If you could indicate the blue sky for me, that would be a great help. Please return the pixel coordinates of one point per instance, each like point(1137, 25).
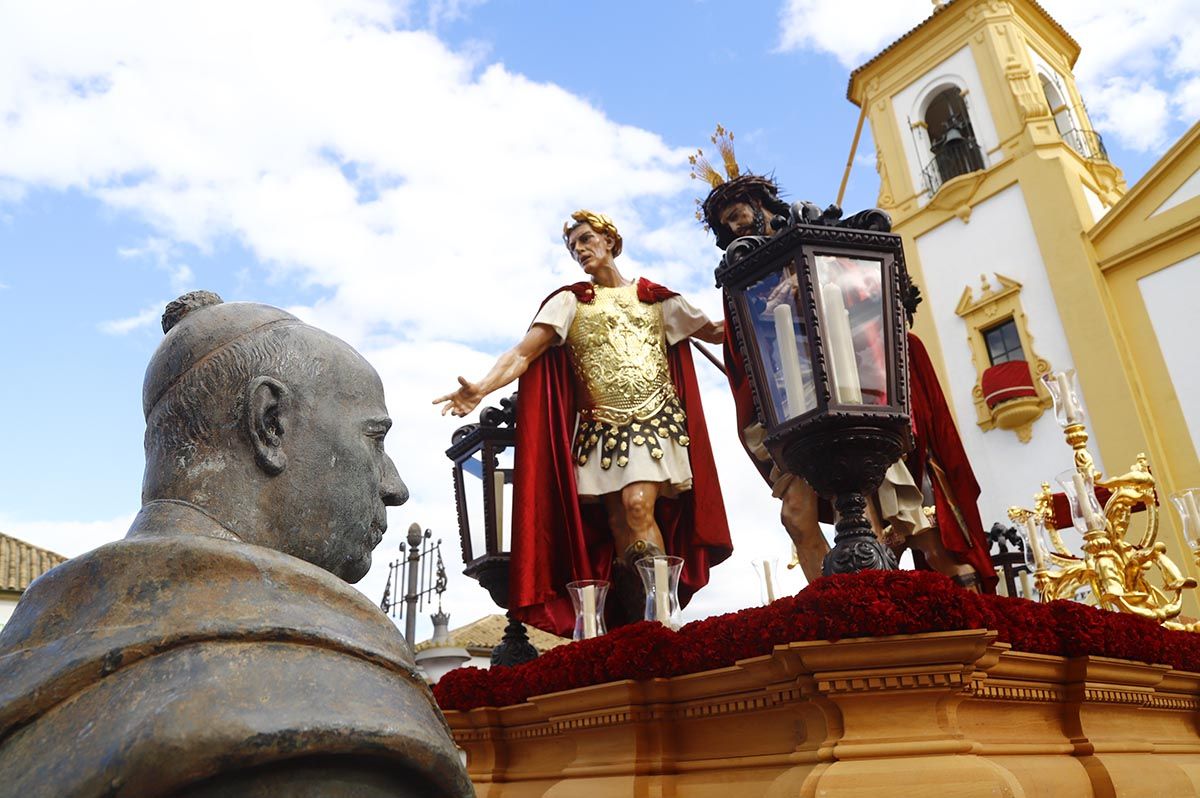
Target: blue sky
point(397, 173)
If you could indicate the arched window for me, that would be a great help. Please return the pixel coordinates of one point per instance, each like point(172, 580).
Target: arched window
point(951, 139)
point(1058, 107)
point(1085, 142)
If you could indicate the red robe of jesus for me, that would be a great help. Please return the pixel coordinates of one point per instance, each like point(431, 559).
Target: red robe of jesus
point(939, 450)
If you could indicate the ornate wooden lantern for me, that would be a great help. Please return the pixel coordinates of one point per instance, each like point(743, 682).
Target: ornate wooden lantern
point(818, 317)
point(485, 452)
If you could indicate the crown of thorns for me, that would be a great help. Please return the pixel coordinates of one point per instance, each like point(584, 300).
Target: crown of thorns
point(730, 187)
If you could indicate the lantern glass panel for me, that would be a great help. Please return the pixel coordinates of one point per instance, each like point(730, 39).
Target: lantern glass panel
point(502, 493)
point(850, 292)
point(781, 343)
point(473, 475)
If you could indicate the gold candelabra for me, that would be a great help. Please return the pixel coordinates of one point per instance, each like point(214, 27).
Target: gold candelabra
point(1116, 570)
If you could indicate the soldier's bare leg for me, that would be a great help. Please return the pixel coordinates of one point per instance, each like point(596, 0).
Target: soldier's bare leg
point(616, 521)
point(631, 515)
point(799, 516)
point(635, 535)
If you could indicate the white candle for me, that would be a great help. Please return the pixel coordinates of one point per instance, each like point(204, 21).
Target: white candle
point(770, 583)
point(1002, 585)
point(841, 345)
point(498, 503)
point(589, 611)
point(1189, 499)
point(1070, 409)
point(662, 591)
point(1026, 585)
point(1035, 544)
point(789, 360)
point(1193, 515)
point(1085, 506)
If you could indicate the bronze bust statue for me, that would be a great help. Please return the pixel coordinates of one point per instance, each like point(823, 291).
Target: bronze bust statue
point(218, 649)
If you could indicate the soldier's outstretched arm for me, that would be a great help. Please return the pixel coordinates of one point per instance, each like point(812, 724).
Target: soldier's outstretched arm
point(713, 332)
point(509, 366)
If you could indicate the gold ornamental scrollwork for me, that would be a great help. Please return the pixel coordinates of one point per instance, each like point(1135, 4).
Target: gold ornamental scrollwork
point(1117, 570)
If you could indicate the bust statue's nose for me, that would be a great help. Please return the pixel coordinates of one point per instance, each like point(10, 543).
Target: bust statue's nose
point(392, 489)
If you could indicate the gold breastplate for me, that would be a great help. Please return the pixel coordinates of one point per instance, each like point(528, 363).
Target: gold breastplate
point(618, 350)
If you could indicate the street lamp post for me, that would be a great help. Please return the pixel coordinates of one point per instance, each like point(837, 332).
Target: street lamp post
point(484, 451)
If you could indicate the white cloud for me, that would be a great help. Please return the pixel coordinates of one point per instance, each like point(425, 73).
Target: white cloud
point(443, 11)
point(349, 155)
point(144, 318)
point(164, 255)
point(419, 189)
point(68, 538)
point(1138, 113)
point(11, 191)
point(1133, 53)
point(1187, 98)
point(851, 32)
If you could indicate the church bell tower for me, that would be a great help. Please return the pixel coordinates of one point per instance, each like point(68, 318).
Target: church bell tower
point(993, 175)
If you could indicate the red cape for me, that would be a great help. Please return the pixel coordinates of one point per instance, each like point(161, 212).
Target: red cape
point(556, 539)
point(955, 490)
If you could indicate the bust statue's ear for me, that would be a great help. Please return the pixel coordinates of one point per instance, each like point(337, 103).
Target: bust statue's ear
point(266, 400)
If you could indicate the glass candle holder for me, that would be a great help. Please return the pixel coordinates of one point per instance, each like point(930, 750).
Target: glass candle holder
point(660, 575)
point(1086, 513)
point(1026, 587)
point(1035, 539)
point(1064, 390)
point(1187, 503)
point(768, 582)
point(587, 597)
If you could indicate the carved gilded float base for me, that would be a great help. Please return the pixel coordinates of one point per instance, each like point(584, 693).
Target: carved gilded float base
point(948, 713)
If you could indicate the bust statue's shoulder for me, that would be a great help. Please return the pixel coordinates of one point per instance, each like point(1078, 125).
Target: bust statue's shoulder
point(112, 633)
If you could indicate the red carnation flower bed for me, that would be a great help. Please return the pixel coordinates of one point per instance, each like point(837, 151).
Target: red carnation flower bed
point(868, 604)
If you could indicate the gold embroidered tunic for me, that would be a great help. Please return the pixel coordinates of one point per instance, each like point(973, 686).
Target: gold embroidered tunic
point(631, 427)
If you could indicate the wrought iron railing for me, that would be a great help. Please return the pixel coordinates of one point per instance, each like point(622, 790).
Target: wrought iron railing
point(966, 157)
point(950, 162)
point(413, 579)
point(1087, 143)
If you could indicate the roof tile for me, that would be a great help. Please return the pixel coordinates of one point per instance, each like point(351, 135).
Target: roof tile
point(487, 632)
point(21, 563)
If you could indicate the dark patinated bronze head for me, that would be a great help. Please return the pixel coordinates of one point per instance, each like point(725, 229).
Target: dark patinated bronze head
point(218, 644)
point(271, 427)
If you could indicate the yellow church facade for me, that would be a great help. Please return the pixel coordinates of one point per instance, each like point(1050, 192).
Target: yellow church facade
point(1029, 247)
